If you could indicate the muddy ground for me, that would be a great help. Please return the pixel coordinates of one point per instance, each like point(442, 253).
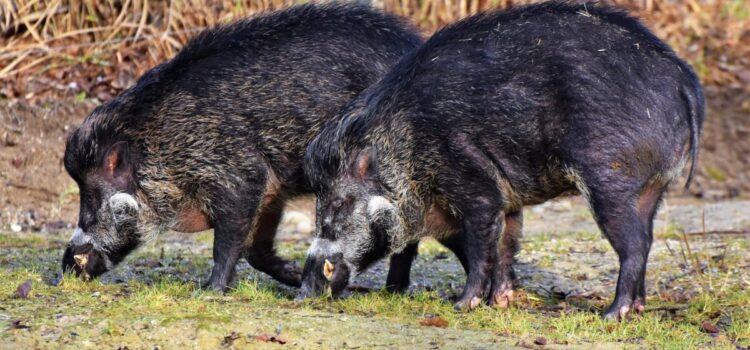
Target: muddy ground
point(699, 271)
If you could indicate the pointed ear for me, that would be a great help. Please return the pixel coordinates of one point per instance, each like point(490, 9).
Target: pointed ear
point(366, 164)
point(117, 160)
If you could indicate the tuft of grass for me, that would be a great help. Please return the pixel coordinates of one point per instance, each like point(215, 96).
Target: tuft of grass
point(715, 173)
point(670, 231)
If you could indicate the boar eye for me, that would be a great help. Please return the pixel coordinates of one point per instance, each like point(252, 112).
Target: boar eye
point(337, 203)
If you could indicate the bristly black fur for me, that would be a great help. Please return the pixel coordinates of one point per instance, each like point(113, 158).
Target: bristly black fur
point(502, 110)
point(324, 156)
point(215, 137)
point(239, 44)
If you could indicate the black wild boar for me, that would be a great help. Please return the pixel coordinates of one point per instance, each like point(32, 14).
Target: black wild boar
point(495, 112)
point(215, 137)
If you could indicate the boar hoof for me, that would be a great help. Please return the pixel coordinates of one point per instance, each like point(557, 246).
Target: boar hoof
point(616, 314)
point(502, 300)
point(468, 306)
point(216, 287)
point(639, 305)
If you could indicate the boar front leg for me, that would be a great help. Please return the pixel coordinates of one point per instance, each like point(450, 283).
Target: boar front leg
point(398, 280)
point(501, 294)
point(262, 255)
point(234, 212)
point(400, 268)
point(482, 223)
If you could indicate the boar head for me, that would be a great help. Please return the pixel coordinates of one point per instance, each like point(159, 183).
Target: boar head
point(108, 222)
point(355, 223)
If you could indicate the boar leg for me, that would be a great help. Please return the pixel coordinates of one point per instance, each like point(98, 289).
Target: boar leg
point(262, 255)
point(501, 294)
point(400, 267)
point(398, 280)
point(630, 237)
point(648, 203)
point(483, 220)
point(455, 243)
point(234, 216)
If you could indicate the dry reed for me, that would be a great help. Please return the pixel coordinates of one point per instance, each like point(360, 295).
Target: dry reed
point(99, 46)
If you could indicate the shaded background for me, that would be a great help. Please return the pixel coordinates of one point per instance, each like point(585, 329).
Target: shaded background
point(59, 59)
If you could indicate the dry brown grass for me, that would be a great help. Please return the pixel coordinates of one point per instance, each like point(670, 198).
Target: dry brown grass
point(99, 46)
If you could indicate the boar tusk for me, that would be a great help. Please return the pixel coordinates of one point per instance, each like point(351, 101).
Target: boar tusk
point(328, 270)
point(81, 260)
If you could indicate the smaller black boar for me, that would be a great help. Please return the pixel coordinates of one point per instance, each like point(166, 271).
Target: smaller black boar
point(495, 112)
point(215, 137)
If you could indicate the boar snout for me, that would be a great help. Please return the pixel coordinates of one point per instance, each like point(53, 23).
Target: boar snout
point(324, 273)
point(83, 260)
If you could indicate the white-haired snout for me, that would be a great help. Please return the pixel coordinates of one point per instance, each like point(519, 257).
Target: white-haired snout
point(79, 237)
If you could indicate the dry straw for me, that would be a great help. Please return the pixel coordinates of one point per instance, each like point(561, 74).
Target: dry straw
point(67, 40)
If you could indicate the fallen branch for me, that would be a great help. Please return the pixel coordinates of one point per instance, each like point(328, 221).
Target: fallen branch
point(720, 232)
point(666, 308)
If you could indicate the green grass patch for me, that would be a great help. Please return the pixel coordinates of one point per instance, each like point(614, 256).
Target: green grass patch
point(161, 303)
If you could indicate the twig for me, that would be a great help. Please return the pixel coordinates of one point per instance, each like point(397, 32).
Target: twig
point(720, 232)
point(684, 258)
point(666, 308)
point(690, 253)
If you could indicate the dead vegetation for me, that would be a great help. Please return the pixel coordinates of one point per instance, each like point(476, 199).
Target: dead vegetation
point(96, 48)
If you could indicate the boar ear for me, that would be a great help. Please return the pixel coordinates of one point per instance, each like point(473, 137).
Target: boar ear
point(117, 160)
point(366, 164)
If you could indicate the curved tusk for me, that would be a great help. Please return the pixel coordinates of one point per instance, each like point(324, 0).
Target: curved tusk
point(81, 260)
point(328, 270)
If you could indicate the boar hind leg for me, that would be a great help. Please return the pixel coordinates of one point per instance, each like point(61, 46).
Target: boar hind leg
point(501, 294)
point(262, 255)
point(400, 267)
point(648, 203)
point(619, 220)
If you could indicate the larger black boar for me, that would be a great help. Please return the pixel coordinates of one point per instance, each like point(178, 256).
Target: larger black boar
point(499, 111)
point(215, 137)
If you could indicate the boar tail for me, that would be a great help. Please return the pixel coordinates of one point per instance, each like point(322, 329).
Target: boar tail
point(696, 112)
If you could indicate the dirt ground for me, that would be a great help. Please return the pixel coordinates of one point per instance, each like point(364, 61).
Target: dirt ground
point(37, 194)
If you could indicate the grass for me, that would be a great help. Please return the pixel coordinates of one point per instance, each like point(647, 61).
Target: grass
point(163, 305)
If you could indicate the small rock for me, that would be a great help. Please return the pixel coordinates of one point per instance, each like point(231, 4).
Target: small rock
point(15, 227)
point(709, 327)
point(540, 341)
point(23, 290)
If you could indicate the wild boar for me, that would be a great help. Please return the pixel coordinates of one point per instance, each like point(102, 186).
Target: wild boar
point(495, 112)
point(215, 137)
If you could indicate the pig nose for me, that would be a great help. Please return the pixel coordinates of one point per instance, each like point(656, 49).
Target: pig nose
point(76, 257)
point(69, 263)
